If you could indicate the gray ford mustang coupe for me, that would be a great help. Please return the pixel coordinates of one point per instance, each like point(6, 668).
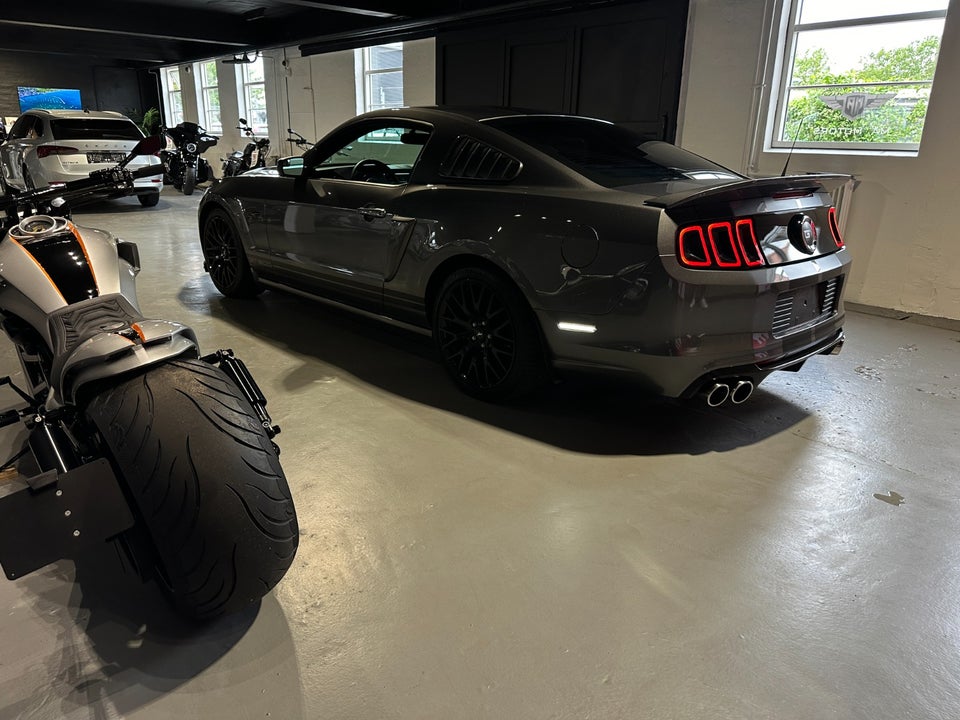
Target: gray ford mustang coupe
point(530, 244)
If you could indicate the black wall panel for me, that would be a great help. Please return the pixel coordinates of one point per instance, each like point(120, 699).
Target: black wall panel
point(102, 87)
point(479, 72)
point(621, 62)
point(539, 72)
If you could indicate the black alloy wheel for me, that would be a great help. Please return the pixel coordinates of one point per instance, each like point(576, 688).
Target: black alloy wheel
point(224, 258)
point(487, 336)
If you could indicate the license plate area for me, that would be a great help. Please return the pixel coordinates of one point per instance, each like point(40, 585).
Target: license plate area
point(805, 306)
point(105, 157)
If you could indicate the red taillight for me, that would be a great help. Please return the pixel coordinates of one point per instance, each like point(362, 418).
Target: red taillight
point(45, 150)
point(748, 243)
point(790, 194)
point(732, 245)
point(834, 228)
point(723, 245)
point(693, 247)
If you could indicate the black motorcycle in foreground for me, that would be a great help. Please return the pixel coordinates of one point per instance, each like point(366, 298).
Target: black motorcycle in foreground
point(132, 435)
point(254, 154)
point(185, 166)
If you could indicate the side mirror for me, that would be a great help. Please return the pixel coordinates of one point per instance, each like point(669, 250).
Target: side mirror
point(290, 166)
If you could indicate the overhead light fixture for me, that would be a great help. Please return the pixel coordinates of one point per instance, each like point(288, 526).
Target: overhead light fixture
point(242, 58)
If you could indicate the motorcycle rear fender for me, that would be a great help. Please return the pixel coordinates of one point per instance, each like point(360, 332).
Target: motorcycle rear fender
point(114, 353)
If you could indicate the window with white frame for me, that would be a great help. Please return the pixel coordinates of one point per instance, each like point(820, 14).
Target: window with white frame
point(254, 95)
point(209, 92)
point(172, 96)
point(857, 74)
point(382, 76)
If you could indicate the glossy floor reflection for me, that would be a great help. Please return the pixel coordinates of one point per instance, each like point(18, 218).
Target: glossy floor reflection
point(588, 553)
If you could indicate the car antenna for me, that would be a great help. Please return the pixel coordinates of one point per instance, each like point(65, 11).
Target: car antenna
point(795, 137)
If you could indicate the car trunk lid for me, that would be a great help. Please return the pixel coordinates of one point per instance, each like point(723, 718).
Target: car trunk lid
point(781, 220)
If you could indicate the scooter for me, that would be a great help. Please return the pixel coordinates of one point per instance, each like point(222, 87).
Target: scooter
point(132, 435)
point(254, 154)
point(185, 166)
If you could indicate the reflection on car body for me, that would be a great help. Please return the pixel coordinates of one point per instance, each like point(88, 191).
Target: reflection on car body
point(530, 243)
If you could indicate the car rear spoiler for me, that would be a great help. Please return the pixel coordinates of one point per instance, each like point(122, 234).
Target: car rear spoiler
point(750, 189)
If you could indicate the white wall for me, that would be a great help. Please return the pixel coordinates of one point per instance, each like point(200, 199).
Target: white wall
point(320, 92)
point(312, 95)
point(420, 72)
point(901, 230)
point(317, 93)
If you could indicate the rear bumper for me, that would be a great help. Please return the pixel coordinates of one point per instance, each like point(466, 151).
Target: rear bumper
point(675, 337)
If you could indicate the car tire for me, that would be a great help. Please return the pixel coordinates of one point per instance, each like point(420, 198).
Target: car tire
point(487, 336)
point(149, 199)
point(224, 257)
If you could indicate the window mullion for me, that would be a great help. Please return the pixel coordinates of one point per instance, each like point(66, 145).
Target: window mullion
point(876, 20)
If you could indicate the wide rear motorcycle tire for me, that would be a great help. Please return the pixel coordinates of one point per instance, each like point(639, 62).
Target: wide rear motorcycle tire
point(204, 482)
point(189, 180)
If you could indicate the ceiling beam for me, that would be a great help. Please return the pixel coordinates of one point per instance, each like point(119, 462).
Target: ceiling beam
point(201, 26)
point(485, 11)
point(123, 50)
point(353, 9)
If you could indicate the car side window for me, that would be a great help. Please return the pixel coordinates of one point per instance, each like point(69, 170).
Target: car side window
point(383, 155)
point(21, 127)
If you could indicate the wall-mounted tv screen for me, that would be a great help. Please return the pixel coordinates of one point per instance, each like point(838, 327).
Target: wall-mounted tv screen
point(46, 98)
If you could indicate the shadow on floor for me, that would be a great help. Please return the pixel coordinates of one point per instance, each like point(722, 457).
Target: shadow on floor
point(97, 214)
point(585, 415)
point(120, 646)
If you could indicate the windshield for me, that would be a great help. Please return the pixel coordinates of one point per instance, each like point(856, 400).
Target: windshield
point(94, 129)
point(612, 156)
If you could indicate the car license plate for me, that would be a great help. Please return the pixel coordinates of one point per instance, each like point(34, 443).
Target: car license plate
point(105, 157)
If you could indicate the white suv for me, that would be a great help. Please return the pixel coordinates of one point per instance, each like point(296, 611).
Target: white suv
point(46, 147)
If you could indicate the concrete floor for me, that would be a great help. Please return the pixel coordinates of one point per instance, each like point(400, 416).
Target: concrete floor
point(588, 554)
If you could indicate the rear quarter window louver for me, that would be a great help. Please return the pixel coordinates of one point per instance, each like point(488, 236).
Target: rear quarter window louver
point(471, 159)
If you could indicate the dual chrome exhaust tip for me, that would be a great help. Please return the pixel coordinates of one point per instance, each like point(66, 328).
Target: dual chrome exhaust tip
point(737, 391)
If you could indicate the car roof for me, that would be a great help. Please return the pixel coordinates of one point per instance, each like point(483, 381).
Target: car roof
point(477, 113)
point(78, 114)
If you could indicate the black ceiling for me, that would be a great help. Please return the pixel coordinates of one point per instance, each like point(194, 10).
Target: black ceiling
point(144, 33)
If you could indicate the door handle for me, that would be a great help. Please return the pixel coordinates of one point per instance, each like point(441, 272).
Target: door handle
point(369, 213)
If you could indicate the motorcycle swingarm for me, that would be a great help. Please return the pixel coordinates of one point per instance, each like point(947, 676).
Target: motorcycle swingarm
point(57, 515)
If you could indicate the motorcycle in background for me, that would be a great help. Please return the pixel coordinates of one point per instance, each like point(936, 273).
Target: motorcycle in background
point(253, 155)
point(297, 139)
point(132, 435)
point(185, 166)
